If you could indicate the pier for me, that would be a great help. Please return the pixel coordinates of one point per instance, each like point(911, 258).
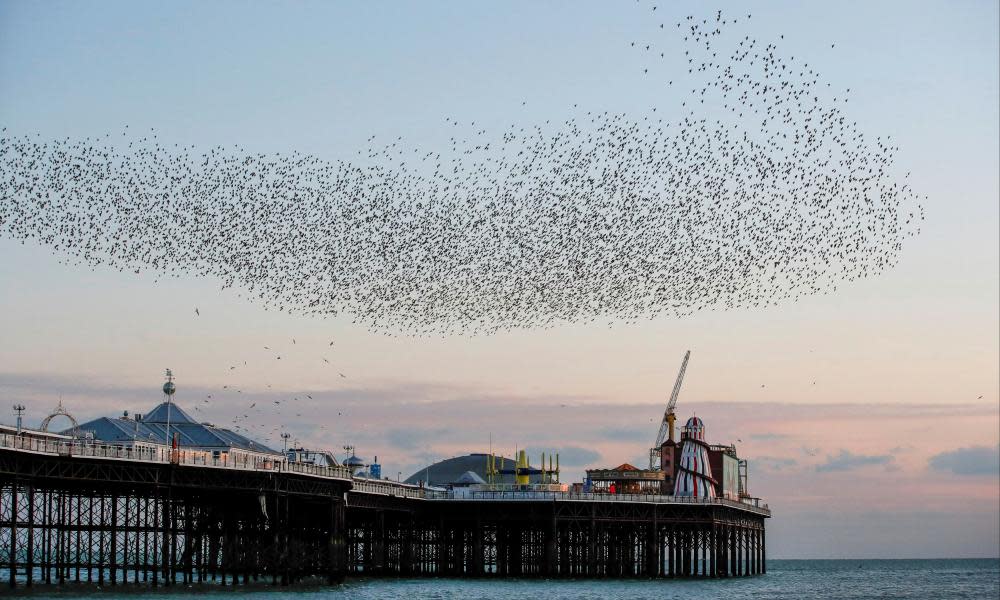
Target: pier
point(86, 512)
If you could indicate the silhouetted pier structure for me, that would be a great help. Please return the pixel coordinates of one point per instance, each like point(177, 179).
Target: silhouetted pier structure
point(86, 512)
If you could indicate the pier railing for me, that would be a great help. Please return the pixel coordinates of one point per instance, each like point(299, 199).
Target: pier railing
point(164, 455)
point(392, 488)
point(752, 504)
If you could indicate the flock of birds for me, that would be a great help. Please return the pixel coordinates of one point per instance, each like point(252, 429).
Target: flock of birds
point(262, 417)
point(757, 190)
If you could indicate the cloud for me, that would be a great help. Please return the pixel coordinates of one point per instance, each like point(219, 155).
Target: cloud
point(766, 437)
point(624, 434)
point(847, 461)
point(975, 460)
point(773, 463)
point(411, 439)
point(569, 456)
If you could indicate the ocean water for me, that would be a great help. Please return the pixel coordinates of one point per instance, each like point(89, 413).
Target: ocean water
point(792, 579)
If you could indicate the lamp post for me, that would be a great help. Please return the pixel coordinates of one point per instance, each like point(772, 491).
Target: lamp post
point(168, 389)
point(284, 442)
point(19, 409)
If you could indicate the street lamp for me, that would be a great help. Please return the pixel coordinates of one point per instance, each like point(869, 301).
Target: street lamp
point(284, 442)
point(168, 389)
point(19, 409)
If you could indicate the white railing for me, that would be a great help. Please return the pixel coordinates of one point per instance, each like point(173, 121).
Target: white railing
point(519, 487)
point(392, 488)
point(337, 472)
point(752, 504)
point(161, 454)
point(83, 448)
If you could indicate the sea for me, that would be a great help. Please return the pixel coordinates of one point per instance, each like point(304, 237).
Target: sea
point(977, 579)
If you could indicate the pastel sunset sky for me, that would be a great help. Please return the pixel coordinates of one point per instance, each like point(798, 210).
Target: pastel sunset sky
point(870, 417)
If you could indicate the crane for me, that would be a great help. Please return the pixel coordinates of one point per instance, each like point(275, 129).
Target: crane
point(667, 426)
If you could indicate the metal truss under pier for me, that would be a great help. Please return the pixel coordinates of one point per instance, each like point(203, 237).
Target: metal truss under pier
point(554, 538)
point(107, 521)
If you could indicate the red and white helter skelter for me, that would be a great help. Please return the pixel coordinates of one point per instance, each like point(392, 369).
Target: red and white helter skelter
point(694, 473)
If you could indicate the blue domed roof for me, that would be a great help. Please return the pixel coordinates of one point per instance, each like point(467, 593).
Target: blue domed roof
point(164, 410)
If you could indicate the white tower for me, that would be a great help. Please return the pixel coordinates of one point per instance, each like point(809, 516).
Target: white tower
point(694, 473)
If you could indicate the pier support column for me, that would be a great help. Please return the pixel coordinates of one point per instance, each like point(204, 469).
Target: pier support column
point(747, 551)
point(740, 553)
point(690, 551)
point(711, 551)
point(186, 559)
point(378, 543)
point(687, 551)
point(699, 551)
point(683, 551)
point(459, 551)
point(760, 551)
point(722, 547)
point(154, 565)
point(13, 532)
point(46, 534)
point(567, 550)
point(551, 555)
point(763, 551)
point(444, 546)
point(126, 516)
point(652, 555)
point(704, 571)
point(406, 549)
point(113, 555)
point(476, 567)
point(30, 563)
point(733, 551)
point(515, 548)
point(592, 544)
point(165, 551)
point(671, 552)
point(91, 529)
point(61, 516)
point(757, 560)
point(336, 549)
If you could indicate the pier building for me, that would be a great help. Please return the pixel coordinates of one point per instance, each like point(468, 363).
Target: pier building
point(451, 470)
point(152, 429)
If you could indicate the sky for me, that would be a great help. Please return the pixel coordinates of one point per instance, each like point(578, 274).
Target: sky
point(870, 417)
